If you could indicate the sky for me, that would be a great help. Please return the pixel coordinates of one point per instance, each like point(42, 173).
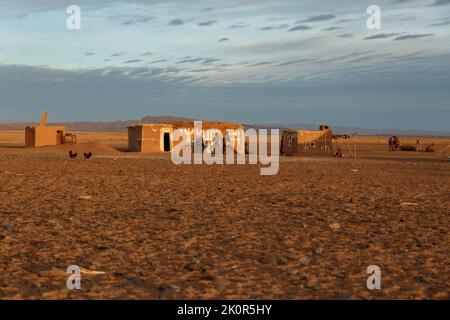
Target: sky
point(250, 61)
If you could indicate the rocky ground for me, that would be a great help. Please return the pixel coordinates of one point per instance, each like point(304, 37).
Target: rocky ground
point(153, 230)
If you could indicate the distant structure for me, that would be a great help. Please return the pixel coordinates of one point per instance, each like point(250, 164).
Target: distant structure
point(307, 142)
point(154, 138)
point(341, 141)
point(43, 135)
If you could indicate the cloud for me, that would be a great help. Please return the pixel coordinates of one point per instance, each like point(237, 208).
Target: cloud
point(279, 45)
point(342, 57)
point(239, 25)
point(440, 3)
point(159, 61)
point(322, 17)
point(443, 23)
point(197, 59)
point(133, 61)
point(279, 27)
point(398, 101)
point(210, 60)
point(331, 29)
point(381, 36)
point(263, 63)
point(322, 44)
point(366, 58)
point(345, 20)
point(413, 36)
point(345, 36)
point(137, 20)
point(176, 22)
point(300, 28)
point(202, 70)
point(291, 62)
point(104, 91)
point(207, 23)
point(190, 60)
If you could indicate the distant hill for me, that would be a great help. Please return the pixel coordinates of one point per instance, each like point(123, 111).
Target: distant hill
point(87, 126)
point(121, 126)
point(359, 130)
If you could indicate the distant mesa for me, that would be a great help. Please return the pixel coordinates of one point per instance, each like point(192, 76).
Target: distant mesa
point(121, 126)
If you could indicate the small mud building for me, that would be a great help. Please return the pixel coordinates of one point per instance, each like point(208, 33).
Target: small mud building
point(150, 138)
point(307, 142)
point(43, 135)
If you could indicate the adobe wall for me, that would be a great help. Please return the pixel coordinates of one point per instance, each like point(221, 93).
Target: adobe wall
point(153, 138)
point(30, 137)
point(315, 142)
point(44, 136)
point(134, 139)
point(149, 138)
point(209, 134)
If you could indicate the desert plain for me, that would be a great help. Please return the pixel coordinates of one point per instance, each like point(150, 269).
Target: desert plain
point(141, 227)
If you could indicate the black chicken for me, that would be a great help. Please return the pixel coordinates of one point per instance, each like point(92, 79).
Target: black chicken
point(88, 155)
point(72, 155)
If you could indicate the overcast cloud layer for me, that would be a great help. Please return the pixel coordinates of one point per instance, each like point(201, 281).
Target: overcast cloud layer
point(248, 61)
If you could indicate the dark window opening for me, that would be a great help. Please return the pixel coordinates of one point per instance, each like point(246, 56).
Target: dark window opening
point(166, 141)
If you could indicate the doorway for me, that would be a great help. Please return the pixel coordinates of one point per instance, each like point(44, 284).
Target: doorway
point(166, 141)
point(59, 137)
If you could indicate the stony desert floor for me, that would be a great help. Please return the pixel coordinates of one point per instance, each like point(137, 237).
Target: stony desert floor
point(154, 230)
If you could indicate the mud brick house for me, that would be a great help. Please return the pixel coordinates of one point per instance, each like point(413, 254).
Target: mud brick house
point(43, 135)
point(307, 142)
point(316, 142)
point(150, 138)
point(154, 138)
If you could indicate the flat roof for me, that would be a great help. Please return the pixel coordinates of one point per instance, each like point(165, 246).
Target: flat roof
point(190, 124)
point(151, 125)
point(53, 127)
